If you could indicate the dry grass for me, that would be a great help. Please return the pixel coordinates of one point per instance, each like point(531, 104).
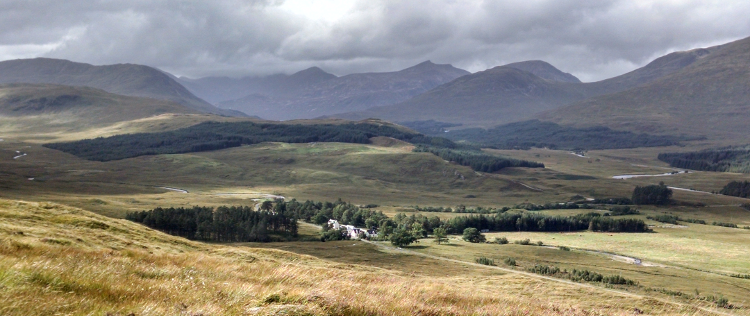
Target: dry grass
point(57, 260)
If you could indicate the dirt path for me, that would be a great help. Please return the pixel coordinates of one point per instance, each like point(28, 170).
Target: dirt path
point(543, 277)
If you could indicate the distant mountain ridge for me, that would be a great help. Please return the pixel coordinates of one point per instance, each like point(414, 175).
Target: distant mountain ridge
point(518, 92)
point(123, 79)
point(313, 93)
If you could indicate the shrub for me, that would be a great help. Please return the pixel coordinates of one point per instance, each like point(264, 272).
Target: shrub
point(485, 261)
point(501, 240)
point(544, 270)
point(524, 242)
point(622, 210)
point(539, 243)
point(563, 248)
point(510, 262)
point(730, 225)
point(670, 219)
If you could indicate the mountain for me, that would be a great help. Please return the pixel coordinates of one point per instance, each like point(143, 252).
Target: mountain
point(519, 91)
point(24, 99)
point(220, 89)
point(75, 107)
point(544, 70)
point(313, 93)
point(710, 96)
point(123, 79)
point(500, 94)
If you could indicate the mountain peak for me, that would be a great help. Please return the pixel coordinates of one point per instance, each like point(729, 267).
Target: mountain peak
point(544, 70)
point(429, 66)
point(313, 73)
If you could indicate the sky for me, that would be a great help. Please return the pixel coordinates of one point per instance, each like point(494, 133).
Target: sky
point(593, 40)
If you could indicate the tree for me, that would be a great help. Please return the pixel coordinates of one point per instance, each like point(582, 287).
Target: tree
point(402, 238)
point(471, 234)
point(266, 205)
point(652, 194)
point(441, 235)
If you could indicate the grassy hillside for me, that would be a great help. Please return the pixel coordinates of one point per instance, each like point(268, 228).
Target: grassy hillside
point(709, 97)
point(124, 79)
point(58, 259)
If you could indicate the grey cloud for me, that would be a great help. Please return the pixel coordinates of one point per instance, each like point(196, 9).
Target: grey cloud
point(591, 39)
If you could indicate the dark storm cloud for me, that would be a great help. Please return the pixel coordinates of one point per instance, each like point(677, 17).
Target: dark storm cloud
point(591, 39)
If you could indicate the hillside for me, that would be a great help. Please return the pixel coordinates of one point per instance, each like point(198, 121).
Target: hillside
point(124, 79)
point(34, 108)
point(498, 95)
point(314, 93)
point(62, 260)
point(518, 91)
point(709, 97)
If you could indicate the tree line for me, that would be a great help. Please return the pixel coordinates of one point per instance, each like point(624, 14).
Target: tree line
point(737, 188)
point(476, 159)
point(221, 224)
point(535, 133)
point(220, 135)
point(727, 159)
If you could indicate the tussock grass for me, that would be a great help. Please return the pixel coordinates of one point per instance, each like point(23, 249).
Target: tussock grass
point(126, 268)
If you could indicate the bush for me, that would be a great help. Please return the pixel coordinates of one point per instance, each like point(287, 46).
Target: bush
point(539, 243)
point(485, 261)
point(563, 248)
point(622, 210)
point(544, 270)
point(524, 242)
point(730, 225)
point(669, 219)
point(510, 262)
point(501, 240)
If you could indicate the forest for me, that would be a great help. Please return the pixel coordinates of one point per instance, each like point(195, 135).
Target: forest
point(535, 133)
point(219, 135)
point(279, 217)
point(477, 160)
point(737, 188)
point(544, 223)
point(221, 224)
point(727, 159)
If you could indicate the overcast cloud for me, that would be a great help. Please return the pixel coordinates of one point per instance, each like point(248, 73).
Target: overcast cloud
point(593, 39)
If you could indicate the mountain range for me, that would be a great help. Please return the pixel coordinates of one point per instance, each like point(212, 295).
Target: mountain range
point(519, 91)
point(702, 91)
point(312, 92)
